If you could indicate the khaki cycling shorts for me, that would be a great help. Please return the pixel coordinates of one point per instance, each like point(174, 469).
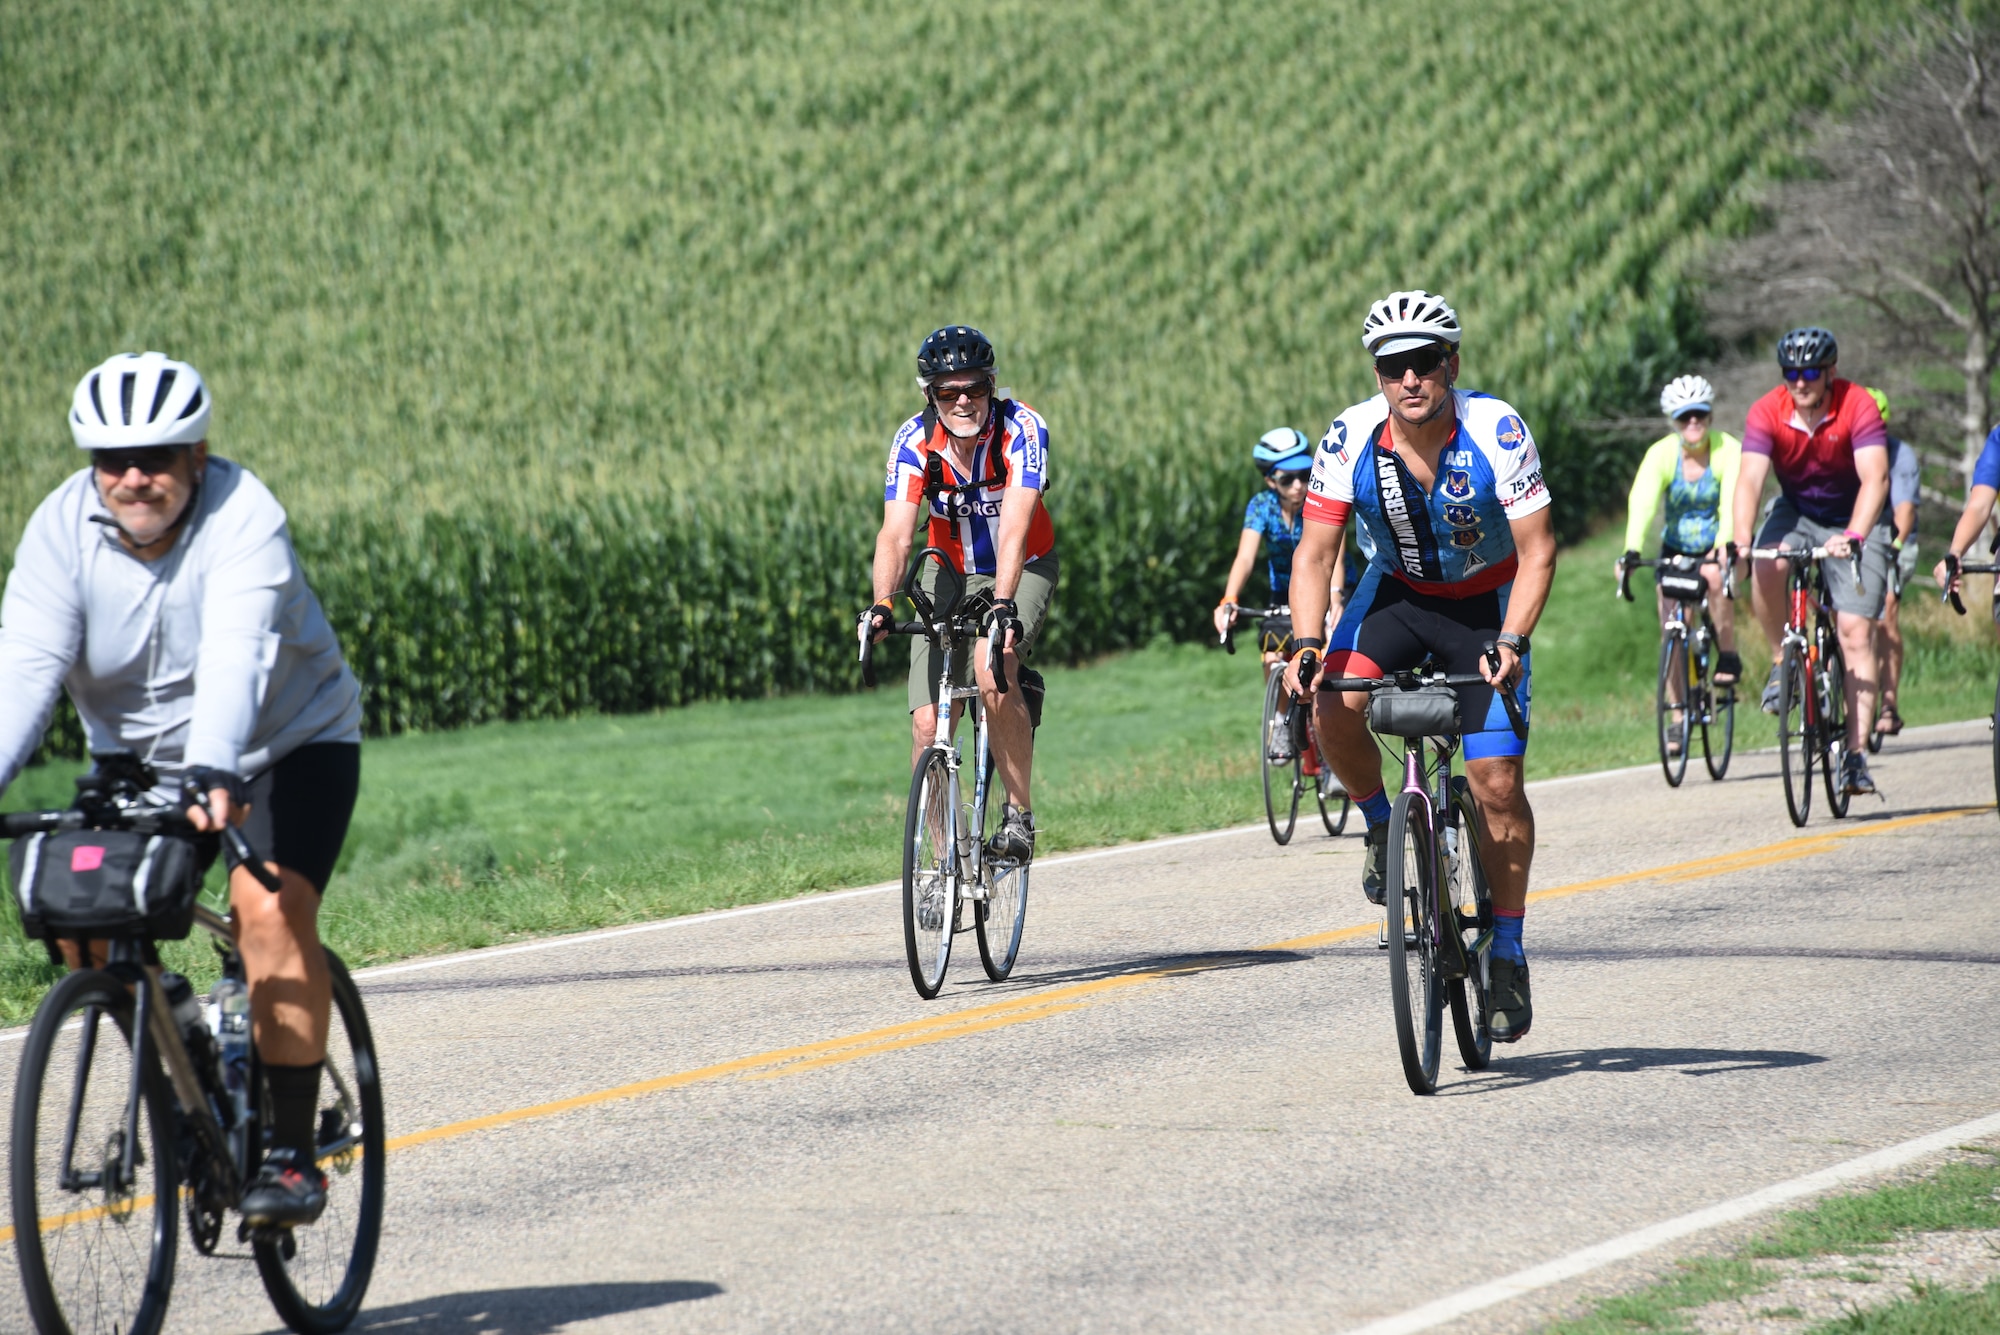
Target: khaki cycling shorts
point(1036, 592)
point(1788, 528)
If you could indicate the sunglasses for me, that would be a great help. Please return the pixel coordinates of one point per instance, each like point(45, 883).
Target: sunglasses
point(1685, 418)
point(1290, 479)
point(154, 461)
point(1805, 373)
point(950, 394)
point(1421, 360)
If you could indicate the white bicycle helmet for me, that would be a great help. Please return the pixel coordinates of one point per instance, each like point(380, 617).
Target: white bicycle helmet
point(1402, 321)
point(1687, 394)
point(139, 399)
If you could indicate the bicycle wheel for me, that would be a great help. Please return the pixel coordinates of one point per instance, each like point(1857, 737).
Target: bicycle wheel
point(1718, 714)
point(1996, 746)
point(96, 1246)
point(1001, 915)
point(1473, 898)
point(1416, 985)
point(1796, 742)
point(1282, 788)
point(316, 1277)
point(930, 872)
point(1674, 733)
point(1832, 701)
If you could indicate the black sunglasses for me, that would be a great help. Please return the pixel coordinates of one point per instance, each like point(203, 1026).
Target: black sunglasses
point(950, 394)
point(150, 461)
point(1421, 360)
point(1290, 479)
point(1805, 373)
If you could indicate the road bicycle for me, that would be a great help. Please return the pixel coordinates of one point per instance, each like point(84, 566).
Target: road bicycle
point(948, 871)
point(1685, 694)
point(135, 1102)
point(1954, 567)
point(1812, 683)
point(1439, 921)
point(1288, 751)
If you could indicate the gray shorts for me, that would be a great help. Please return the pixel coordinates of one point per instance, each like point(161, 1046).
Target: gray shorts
point(1788, 528)
point(1037, 591)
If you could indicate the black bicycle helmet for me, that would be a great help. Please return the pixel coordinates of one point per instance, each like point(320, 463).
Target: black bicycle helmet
point(1810, 346)
point(955, 347)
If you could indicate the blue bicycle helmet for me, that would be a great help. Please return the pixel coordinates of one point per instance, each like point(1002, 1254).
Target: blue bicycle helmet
point(1284, 447)
point(1810, 346)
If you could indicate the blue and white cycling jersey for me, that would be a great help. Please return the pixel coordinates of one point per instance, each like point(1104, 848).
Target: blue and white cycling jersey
point(1454, 540)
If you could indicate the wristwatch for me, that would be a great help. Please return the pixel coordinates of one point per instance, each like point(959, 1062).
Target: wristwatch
point(1518, 643)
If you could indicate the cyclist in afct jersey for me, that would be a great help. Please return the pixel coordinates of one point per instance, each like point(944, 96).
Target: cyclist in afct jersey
point(1447, 485)
point(159, 585)
point(999, 539)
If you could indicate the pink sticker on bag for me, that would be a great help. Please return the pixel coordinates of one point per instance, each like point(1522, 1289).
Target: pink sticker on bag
point(86, 857)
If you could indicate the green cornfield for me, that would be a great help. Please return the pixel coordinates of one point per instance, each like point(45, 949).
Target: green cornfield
point(573, 334)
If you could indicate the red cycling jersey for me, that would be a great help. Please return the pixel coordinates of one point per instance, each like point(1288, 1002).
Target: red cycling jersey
point(1816, 468)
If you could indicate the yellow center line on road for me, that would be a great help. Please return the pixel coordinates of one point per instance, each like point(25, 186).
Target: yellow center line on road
point(1062, 1000)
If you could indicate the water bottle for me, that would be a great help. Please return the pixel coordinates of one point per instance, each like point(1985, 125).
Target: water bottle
point(229, 1020)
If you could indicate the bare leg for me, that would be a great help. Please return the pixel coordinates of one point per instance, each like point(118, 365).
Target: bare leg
point(1890, 647)
point(1013, 735)
point(1509, 847)
point(1857, 649)
point(291, 991)
point(1722, 611)
point(1345, 743)
point(1769, 602)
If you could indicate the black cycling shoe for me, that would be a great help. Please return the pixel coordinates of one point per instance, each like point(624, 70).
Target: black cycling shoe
point(285, 1193)
point(1510, 1010)
point(1375, 865)
point(1014, 841)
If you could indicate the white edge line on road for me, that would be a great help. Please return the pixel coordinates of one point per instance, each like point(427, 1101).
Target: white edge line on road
point(1628, 1245)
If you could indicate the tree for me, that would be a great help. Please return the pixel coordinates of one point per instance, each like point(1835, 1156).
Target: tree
point(1904, 223)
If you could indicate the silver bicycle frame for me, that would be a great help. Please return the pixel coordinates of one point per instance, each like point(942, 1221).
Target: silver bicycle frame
point(967, 851)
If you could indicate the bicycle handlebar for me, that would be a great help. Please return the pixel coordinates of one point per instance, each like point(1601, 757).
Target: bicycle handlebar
point(1625, 573)
point(1410, 681)
point(1228, 640)
point(1953, 568)
point(145, 820)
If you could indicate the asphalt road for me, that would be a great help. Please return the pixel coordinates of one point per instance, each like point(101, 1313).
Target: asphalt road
point(1185, 1110)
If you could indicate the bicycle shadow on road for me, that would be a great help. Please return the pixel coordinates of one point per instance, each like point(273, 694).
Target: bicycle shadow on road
point(529, 1311)
point(1539, 1067)
point(1058, 971)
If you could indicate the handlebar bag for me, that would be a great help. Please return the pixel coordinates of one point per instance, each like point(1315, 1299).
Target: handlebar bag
point(1683, 586)
point(1427, 711)
point(110, 884)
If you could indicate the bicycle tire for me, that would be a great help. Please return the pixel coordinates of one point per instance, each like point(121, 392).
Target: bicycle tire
point(64, 1237)
point(1996, 747)
point(930, 872)
point(1796, 743)
point(1673, 671)
point(319, 1288)
point(1832, 688)
point(1718, 711)
point(1000, 916)
point(1416, 986)
point(1470, 996)
point(1285, 773)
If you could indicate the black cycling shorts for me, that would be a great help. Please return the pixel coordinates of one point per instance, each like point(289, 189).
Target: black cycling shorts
point(1388, 627)
point(300, 807)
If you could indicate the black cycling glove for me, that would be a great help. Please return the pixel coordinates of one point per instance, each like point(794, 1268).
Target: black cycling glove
point(1003, 618)
point(198, 781)
point(878, 619)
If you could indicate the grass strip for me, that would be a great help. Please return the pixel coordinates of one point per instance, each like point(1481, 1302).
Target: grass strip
point(1961, 1195)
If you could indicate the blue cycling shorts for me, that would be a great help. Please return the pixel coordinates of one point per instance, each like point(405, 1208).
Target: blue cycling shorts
point(1388, 626)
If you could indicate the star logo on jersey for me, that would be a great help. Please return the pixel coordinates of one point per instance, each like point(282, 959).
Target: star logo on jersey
point(1465, 537)
point(1458, 483)
point(1461, 516)
point(1512, 433)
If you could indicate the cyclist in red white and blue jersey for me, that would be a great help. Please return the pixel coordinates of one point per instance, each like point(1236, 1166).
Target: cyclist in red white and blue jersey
point(998, 536)
point(1447, 486)
point(1973, 520)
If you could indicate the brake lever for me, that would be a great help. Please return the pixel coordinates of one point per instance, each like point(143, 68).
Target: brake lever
point(1515, 720)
